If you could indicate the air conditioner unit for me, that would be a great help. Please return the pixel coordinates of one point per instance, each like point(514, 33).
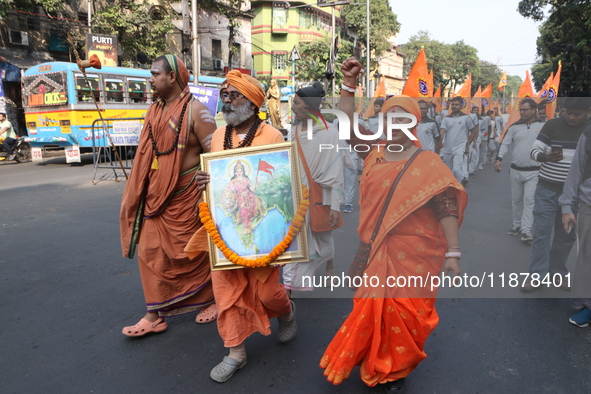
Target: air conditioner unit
point(218, 64)
point(18, 37)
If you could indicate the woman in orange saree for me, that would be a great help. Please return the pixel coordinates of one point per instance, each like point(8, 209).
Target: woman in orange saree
point(387, 329)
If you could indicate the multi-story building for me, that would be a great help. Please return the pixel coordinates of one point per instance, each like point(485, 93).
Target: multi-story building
point(390, 67)
point(278, 26)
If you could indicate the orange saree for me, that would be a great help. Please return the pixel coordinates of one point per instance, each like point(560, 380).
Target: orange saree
point(158, 215)
point(387, 329)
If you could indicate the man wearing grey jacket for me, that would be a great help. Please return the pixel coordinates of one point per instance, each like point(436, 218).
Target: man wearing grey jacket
point(524, 170)
point(578, 187)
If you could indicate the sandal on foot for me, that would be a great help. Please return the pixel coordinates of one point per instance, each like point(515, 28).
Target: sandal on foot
point(207, 315)
point(144, 326)
point(225, 370)
point(287, 330)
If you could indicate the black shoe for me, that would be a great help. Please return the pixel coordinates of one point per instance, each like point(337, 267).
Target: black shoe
point(464, 181)
point(396, 386)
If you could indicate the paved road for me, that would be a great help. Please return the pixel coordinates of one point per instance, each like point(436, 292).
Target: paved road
point(66, 292)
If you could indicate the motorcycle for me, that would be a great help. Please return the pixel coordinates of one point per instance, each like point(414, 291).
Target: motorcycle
point(21, 149)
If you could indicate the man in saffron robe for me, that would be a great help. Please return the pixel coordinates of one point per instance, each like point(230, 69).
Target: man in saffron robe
point(159, 203)
point(245, 298)
point(387, 329)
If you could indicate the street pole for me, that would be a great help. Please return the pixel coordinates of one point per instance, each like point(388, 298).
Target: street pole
point(196, 51)
point(368, 51)
point(332, 55)
point(89, 16)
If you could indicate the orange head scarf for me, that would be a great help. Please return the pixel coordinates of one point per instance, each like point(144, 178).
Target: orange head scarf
point(248, 86)
point(179, 68)
point(408, 104)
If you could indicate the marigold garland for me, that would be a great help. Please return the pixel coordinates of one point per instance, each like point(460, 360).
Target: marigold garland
point(295, 227)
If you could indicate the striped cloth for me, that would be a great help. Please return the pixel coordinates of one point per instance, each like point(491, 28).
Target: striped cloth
point(556, 132)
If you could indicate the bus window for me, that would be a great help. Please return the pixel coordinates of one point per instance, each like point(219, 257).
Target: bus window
point(45, 90)
point(114, 90)
point(82, 91)
point(138, 90)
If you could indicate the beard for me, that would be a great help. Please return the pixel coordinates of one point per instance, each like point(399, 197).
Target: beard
point(237, 114)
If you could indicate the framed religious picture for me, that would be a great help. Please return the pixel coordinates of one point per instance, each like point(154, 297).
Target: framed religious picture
point(252, 198)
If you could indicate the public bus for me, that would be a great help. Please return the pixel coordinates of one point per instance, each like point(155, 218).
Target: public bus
point(60, 111)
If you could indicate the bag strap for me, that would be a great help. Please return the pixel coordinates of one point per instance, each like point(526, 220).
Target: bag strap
point(303, 159)
point(391, 193)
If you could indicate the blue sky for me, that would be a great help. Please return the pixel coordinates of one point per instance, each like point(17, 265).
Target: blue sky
point(493, 27)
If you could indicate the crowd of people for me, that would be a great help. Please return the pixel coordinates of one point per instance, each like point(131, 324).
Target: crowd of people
point(411, 229)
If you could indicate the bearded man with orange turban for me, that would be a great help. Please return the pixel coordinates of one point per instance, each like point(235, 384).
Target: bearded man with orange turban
point(245, 298)
point(160, 200)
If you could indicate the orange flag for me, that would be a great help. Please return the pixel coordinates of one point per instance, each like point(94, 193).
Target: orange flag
point(476, 97)
point(503, 81)
point(525, 90)
point(379, 92)
point(544, 92)
point(485, 97)
point(437, 98)
point(359, 95)
point(417, 84)
point(553, 93)
point(464, 93)
point(430, 83)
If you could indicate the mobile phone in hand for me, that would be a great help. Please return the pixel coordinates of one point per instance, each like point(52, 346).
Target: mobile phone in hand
point(556, 149)
point(571, 225)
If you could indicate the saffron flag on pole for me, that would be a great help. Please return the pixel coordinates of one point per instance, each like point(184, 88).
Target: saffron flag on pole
point(485, 97)
point(430, 83)
point(476, 97)
point(553, 93)
point(266, 167)
point(464, 93)
point(503, 81)
point(526, 90)
point(437, 99)
point(417, 85)
point(544, 92)
point(360, 98)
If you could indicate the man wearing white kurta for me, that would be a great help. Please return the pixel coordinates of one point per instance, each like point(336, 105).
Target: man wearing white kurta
point(326, 169)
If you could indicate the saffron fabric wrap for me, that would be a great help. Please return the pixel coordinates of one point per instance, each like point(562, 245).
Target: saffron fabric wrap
point(246, 298)
point(386, 331)
point(158, 213)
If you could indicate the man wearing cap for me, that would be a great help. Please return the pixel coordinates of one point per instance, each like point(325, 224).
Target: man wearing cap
point(160, 200)
point(245, 298)
point(326, 170)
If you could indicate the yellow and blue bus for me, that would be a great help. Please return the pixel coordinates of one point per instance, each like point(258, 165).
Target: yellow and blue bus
point(59, 110)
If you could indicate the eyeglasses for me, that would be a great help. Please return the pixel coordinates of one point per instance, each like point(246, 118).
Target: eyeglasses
point(232, 95)
point(525, 109)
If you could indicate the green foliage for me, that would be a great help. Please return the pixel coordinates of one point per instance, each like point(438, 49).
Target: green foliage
point(5, 6)
point(51, 6)
point(138, 31)
point(315, 56)
point(383, 24)
point(486, 73)
point(564, 35)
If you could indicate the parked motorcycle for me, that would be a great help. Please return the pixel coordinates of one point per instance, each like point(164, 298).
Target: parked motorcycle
point(21, 149)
